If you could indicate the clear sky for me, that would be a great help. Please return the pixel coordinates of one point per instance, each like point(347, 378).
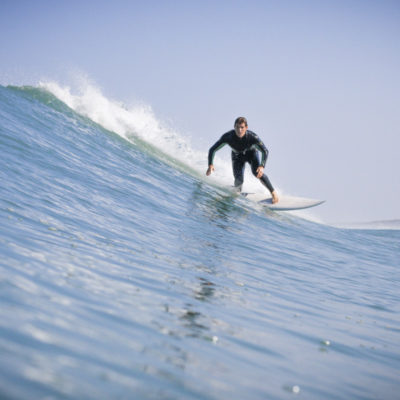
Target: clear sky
point(319, 80)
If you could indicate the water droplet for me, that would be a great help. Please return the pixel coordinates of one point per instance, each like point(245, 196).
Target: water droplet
point(295, 389)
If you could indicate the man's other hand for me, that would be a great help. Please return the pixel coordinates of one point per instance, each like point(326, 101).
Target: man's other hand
point(209, 170)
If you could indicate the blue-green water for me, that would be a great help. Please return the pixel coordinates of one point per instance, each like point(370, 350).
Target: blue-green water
point(124, 276)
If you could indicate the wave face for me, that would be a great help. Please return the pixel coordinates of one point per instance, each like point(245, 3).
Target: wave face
point(126, 275)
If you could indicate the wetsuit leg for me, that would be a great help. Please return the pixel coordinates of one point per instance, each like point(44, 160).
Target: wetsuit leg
point(252, 158)
point(238, 163)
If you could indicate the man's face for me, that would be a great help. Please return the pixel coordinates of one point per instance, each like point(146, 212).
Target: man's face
point(240, 129)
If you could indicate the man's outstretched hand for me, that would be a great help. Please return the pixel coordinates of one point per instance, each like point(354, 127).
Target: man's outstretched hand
point(209, 170)
point(260, 172)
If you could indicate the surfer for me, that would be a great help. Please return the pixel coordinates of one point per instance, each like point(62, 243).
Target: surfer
point(244, 144)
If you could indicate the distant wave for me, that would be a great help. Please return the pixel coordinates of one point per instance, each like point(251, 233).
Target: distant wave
point(373, 225)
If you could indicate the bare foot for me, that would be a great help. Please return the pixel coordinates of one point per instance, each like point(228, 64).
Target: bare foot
point(275, 197)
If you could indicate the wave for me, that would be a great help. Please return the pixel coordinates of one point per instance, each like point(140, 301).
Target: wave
point(112, 283)
point(139, 125)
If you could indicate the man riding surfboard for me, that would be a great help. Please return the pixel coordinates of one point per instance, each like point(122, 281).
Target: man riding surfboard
point(244, 144)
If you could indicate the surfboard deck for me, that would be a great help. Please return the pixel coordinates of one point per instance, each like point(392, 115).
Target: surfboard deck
point(286, 203)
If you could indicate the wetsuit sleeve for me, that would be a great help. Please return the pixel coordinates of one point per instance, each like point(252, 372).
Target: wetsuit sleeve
point(215, 147)
point(260, 146)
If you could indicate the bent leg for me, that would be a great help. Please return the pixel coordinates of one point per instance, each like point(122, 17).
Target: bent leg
point(255, 163)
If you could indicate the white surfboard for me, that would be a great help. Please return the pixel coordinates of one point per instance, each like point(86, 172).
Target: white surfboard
point(285, 203)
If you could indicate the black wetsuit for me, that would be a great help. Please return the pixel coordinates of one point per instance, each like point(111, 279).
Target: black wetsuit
point(243, 150)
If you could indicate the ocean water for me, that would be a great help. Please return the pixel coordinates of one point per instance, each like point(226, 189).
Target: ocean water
point(125, 274)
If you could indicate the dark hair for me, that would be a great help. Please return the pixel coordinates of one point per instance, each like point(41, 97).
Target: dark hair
point(240, 120)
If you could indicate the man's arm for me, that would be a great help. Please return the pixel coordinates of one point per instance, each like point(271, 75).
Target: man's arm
point(211, 153)
point(260, 146)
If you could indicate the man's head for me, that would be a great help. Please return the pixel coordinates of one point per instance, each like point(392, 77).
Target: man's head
point(240, 126)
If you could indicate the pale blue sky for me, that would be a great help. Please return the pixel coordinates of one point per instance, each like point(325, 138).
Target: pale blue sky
point(318, 80)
